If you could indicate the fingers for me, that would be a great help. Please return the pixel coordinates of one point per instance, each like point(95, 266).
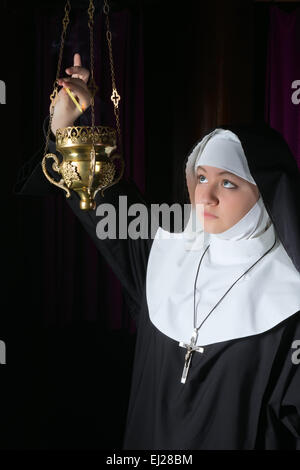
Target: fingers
point(77, 60)
point(78, 72)
point(78, 88)
point(72, 82)
point(77, 67)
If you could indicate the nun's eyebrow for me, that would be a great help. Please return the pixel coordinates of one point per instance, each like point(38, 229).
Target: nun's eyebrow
point(221, 172)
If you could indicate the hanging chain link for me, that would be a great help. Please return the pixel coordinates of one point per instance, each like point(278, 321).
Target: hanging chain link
point(115, 97)
point(93, 89)
point(54, 95)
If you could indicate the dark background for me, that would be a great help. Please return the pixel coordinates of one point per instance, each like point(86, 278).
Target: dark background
point(66, 384)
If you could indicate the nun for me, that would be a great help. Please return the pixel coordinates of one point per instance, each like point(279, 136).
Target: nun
point(217, 305)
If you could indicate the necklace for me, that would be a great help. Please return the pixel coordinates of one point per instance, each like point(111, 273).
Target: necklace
point(191, 347)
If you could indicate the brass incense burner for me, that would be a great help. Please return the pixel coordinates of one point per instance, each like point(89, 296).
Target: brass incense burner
point(88, 152)
point(75, 145)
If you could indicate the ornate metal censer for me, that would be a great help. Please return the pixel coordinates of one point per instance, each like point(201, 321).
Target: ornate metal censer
point(87, 164)
point(75, 143)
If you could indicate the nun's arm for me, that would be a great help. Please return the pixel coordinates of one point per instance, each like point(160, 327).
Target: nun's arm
point(127, 257)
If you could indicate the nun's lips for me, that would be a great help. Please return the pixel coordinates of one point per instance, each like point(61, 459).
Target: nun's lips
point(207, 214)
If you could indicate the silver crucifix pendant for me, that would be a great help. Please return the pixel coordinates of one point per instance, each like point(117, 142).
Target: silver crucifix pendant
point(190, 349)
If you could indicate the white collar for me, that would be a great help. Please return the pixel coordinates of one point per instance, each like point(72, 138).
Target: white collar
point(245, 251)
point(257, 302)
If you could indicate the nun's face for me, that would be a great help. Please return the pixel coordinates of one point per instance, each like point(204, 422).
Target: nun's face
point(224, 195)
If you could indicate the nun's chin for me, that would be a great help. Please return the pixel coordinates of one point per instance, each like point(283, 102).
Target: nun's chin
point(212, 226)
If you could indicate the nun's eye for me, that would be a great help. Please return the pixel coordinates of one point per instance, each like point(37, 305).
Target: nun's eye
point(225, 181)
point(198, 177)
point(233, 185)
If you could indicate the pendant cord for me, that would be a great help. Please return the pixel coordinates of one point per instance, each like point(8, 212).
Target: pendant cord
point(197, 328)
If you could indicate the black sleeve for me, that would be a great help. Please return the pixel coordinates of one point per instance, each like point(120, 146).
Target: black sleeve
point(283, 411)
point(289, 411)
point(127, 257)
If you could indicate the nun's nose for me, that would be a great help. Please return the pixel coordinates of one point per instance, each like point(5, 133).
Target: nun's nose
point(207, 196)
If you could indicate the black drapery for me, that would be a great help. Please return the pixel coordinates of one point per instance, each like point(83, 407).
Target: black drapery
point(198, 73)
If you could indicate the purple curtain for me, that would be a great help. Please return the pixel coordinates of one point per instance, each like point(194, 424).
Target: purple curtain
point(282, 109)
point(77, 282)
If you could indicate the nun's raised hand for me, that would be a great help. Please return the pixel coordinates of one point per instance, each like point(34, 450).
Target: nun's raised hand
point(65, 111)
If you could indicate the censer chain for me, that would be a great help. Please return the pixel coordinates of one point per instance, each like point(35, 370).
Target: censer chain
point(93, 87)
point(115, 97)
point(53, 96)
